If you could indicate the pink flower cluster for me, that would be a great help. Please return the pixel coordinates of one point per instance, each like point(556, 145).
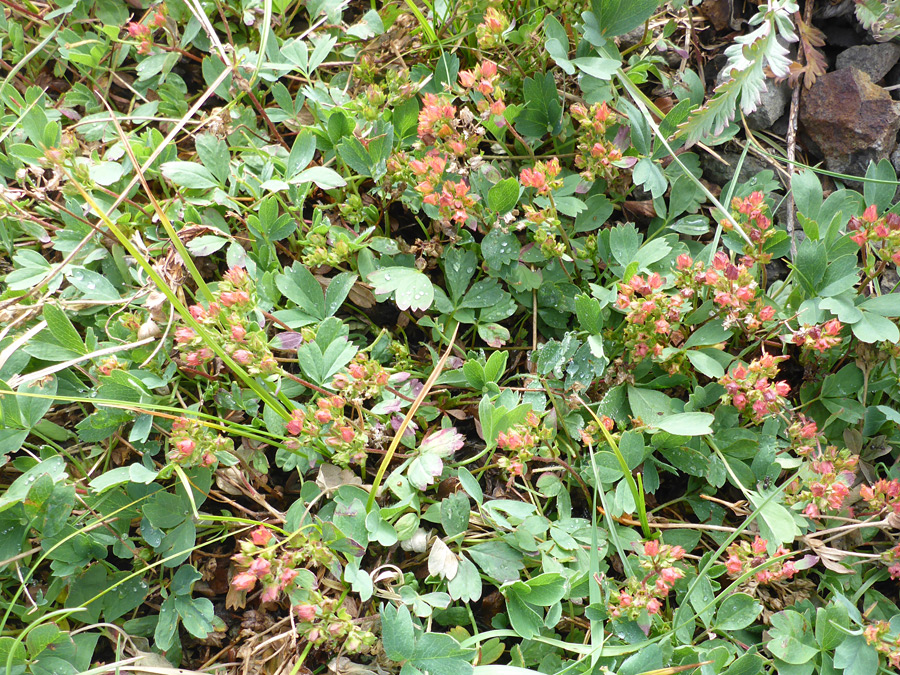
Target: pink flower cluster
point(596, 156)
point(261, 562)
point(826, 476)
point(880, 235)
point(192, 444)
point(753, 390)
point(365, 379)
point(229, 320)
point(878, 634)
point(542, 177)
point(453, 199)
point(144, 31)
point(892, 558)
point(818, 338)
point(324, 426)
point(653, 319)
point(734, 288)
point(647, 593)
point(521, 442)
point(884, 495)
point(751, 215)
point(744, 557)
point(489, 33)
point(483, 79)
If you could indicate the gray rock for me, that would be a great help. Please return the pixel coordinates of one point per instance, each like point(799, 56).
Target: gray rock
point(851, 120)
point(716, 172)
point(772, 104)
point(874, 60)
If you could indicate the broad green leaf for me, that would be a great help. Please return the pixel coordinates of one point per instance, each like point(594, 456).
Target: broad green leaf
point(601, 68)
point(189, 175)
point(791, 638)
point(617, 17)
point(397, 632)
point(686, 424)
point(504, 196)
point(737, 611)
point(62, 330)
point(412, 289)
point(325, 178)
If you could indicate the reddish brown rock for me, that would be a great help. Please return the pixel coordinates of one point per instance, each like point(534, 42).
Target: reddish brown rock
point(850, 119)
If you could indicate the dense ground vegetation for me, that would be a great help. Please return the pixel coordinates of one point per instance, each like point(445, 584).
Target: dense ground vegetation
point(410, 338)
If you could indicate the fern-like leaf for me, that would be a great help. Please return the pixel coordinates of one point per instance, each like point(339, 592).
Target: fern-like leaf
point(748, 61)
point(880, 17)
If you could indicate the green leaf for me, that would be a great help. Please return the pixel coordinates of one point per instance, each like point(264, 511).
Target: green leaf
point(710, 333)
point(737, 611)
point(617, 17)
point(302, 152)
point(881, 193)
point(397, 633)
point(648, 404)
point(303, 289)
point(601, 68)
point(455, 514)
point(884, 305)
point(498, 560)
point(807, 193)
point(466, 585)
point(40, 638)
point(855, 656)
point(197, 615)
point(543, 112)
point(705, 363)
point(322, 176)
point(337, 291)
point(411, 289)
point(829, 622)
point(686, 424)
point(189, 175)
point(504, 196)
point(213, 152)
point(62, 330)
point(782, 529)
point(875, 328)
point(32, 404)
point(441, 653)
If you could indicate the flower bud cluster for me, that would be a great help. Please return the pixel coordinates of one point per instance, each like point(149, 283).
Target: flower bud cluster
point(483, 80)
point(228, 319)
point(734, 288)
point(753, 390)
point(542, 177)
point(194, 444)
point(824, 481)
point(329, 626)
point(878, 235)
point(648, 593)
point(489, 33)
point(324, 427)
point(595, 156)
point(521, 442)
point(884, 495)
point(275, 565)
point(744, 556)
point(653, 319)
point(365, 379)
point(878, 634)
point(818, 338)
point(591, 434)
point(143, 32)
point(751, 214)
